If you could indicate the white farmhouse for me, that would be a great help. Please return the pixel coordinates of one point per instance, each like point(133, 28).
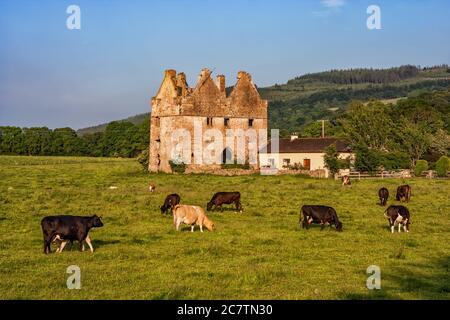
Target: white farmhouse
point(307, 153)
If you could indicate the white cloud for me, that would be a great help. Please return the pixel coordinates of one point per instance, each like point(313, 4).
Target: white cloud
point(333, 3)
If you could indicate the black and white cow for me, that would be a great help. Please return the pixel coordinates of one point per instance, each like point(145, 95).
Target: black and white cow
point(68, 228)
point(398, 216)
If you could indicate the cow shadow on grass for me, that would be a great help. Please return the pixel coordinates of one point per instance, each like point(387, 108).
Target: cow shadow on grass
point(225, 209)
point(430, 281)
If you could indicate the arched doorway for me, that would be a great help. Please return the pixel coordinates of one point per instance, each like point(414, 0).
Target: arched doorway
point(227, 156)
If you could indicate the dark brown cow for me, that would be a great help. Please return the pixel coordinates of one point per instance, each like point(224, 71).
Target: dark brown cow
point(403, 193)
point(221, 198)
point(398, 215)
point(346, 181)
point(383, 194)
point(321, 215)
point(171, 201)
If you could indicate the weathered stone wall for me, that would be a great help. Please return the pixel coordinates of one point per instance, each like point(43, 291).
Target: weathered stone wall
point(176, 106)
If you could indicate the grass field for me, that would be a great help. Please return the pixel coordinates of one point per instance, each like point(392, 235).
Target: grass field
point(260, 254)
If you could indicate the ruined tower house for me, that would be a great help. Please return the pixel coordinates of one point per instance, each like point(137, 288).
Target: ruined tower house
point(177, 106)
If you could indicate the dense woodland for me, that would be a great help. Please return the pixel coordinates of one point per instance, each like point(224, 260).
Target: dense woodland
point(120, 139)
point(390, 134)
point(355, 76)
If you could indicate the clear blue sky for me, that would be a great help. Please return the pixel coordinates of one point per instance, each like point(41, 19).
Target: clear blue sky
point(55, 77)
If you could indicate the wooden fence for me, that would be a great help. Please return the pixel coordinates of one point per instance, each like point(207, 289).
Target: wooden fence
point(430, 174)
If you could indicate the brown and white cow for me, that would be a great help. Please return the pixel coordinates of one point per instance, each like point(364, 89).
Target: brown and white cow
point(398, 216)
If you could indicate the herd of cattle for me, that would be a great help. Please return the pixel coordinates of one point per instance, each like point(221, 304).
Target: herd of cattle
point(63, 229)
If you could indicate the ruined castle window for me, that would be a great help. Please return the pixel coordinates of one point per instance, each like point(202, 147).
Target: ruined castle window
point(226, 122)
point(157, 121)
point(209, 121)
point(250, 123)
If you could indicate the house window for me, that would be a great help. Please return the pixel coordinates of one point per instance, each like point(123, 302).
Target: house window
point(209, 121)
point(250, 123)
point(286, 162)
point(226, 122)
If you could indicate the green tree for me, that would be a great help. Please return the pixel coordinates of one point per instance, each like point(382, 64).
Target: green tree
point(441, 142)
point(421, 166)
point(443, 166)
point(367, 160)
point(369, 125)
point(331, 159)
point(12, 141)
point(414, 139)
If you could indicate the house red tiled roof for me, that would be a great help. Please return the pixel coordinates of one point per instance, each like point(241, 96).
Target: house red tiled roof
point(308, 145)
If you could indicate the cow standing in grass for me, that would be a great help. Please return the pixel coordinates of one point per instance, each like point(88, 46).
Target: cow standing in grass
point(191, 215)
point(321, 215)
point(346, 181)
point(404, 193)
point(398, 216)
point(383, 194)
point(221, 198)
point(171, 201)
point(68, 228)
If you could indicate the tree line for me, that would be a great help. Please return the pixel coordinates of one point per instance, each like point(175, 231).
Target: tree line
point(396, 136)
point(361, 75)
point(120, 139)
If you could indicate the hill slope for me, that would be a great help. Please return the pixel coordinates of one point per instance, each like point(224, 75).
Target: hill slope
point(323, 95)
point(137, 119)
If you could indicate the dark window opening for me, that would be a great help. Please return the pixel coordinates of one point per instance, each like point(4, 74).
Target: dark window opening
point(209, 121)
point(226, 121)
point(250, 122)
point(227, 156)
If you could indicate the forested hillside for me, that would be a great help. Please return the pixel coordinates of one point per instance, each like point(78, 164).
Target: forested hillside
point(323, 95)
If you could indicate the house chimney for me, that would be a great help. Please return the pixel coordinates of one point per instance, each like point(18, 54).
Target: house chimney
point(220, 82)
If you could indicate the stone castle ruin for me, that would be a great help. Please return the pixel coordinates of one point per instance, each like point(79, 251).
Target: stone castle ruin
point(194, 111)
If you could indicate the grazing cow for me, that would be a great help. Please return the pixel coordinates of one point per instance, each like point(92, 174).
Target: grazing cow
point(68, 228)
point(221, 198)
point(398, 215)
point(346, 181)
point(191, 215)
point(171, 201)
point(404, 193)
point(383, 194)
point(151, 187)
point(320, 214)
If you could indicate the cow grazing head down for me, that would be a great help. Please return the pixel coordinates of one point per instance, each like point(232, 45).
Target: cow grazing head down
point(338, 225)
point(209, 224)
point(209, 206)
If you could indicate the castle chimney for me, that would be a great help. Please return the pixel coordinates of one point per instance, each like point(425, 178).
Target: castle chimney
point(170, 73)
point(181, 84)
point(243, 74)
point(220, 82)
